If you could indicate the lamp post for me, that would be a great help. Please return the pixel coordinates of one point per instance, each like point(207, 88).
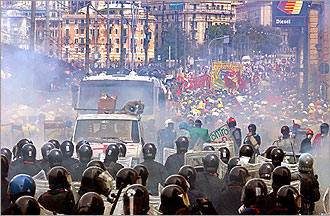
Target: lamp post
point(226, 40)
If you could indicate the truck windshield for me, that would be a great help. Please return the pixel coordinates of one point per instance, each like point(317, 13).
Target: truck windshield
point(125, 91)
point(105, 130)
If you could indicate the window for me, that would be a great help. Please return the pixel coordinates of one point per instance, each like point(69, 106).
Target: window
point(67, 33)
point(82, 22)
point(125, 32)
point(156, 26)
point(141, 50)
point(164, 7)
point(117, 22)
point(117, 50)
point(221, 7)
point(77, 31)
point(207, 7)
point(82, 40)
point(76, 50)
point(76, 40)
point(172, 17)
point(194, 16)
point(159, 8)
point(82, 50)
point(76, 21)
point(218, 7)
point(141, 41)
point(167, 16)
point(195, 6)
point(82, 31)
point(125, 39)
point(117, 40)
point(116, 31)
point(67, 41)
point(67, 21)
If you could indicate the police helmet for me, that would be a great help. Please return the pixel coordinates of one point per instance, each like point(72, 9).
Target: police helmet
point(4, 166)
point(285, 130)
point(189, 173)
point(231, 122)
point(254, 192)
point(20, 185)
point(80, 143)
point(268, 151)
point(126, 176)
point(90, 203)
point(288, 197)
point(211, 163)
point(239, 176)
point(19, 146)
point(172, 199)
point(97, 163)
point(140, 200)
point(97, 180)
point(246, 150)
point(6, 152)
point(122, 149)
point(112, 153)
point(234, 161)
point(277, 156)
point(183, 125)
point(56, 143)
point(224, 154)
point(265, 170)
point(208, 148)
point(29, 152)
point(324, 128)
point(85, 153)
point(281, 176)
point(149, 151)
point(55, 158)
point(178, 180)
point(67, 149)
point(305, 162)
point(59, 177)
point(45, 149)
point(182, 144)
point(143, 173)
point(26, 205)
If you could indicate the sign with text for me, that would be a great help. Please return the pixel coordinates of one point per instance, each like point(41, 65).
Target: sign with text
point(221, 134)
point(289, 13)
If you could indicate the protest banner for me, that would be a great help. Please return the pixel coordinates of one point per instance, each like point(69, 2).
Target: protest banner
point(221, 134)
point(225, 75)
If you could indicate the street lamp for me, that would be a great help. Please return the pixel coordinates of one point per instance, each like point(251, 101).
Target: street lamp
point(226, 40)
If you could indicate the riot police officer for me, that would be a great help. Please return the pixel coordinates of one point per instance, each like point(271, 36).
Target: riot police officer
point(224, 154)
point(253, 197)
point(234, 161)
point(143, 173)
point(166, 137)
point(125, 177)
point(281, 176)
point(230, 197)
point(97, 163)
point(236, 133)
point(45, 149)
point(309, 185)
point(26, 205)
point(194, 193)
point(56, 143)
point(172, 200)
point(246, 153)
point(208, 148)
point(59, 198)
point(80, 143)
point(122, 149)
point(85, 153)
point(306, 144)
point(55, 158)
point(140, 200)
point(267, 152)
point(180, 181)
point(4, 183)
point(253, 139)
point(17, 159)
point(110, 161)
point(288, 201)
point(156, 170)
point(277, 156)
point(67, 149)
point(94, 179)
point(90, 203)
point(29, 165)
point(265, 170)
point(175, 161)
point(6, 152)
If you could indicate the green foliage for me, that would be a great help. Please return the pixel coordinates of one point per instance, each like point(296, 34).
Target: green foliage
point(217, 31)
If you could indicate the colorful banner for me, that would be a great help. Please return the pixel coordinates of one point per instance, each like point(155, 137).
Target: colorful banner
point(226, 75)
point(221, 134)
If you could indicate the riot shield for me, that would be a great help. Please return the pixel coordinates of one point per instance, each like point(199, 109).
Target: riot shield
point(222, 169)
point(166, 153)
point(295, 184)
point(217, 146)
point(195, 159)
point(125, 161)
point(326, 202)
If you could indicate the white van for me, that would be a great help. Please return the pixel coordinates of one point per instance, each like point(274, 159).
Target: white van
point(246, 60)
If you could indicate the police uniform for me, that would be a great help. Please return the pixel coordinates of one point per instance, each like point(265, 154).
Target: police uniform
point(113, 168)
point(157, 174)
point(25, 167)
point(69, 162)
point(77, 170)
point(174, 163)
point(230, 200)
point(59, 200)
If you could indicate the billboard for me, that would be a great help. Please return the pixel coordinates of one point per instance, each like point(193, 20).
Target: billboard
point(289, 13)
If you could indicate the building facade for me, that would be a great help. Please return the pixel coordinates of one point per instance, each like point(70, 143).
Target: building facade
point(256, 12)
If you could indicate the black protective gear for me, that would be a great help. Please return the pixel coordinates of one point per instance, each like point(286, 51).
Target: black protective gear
point(211, 163)
point(55, 158)
point(246, 151)
point(189, 173)
point(140, 200)
point(178, 180)
point(26, 205)
point(305, 163)
point(4, 166)
point(97, 163)
point(85, 153)
point(5, 203)
point(182, 144)
point(21, 185)
point(111, 153)
point(305, 146)
point(126, 176)
point(277, 156)
point(281, 176)
point(143, 173)
point(90, 203)
point(80, 143)
point(122, 149)
point(174, 162)
point(254, 193)
point(224, 154)
point(56, 143)
point(239, 176)
point(45, 149)
point(17, 149)
point(265, 170)
point(113, 167)
point(149, 151)
point(252, 128)
point(208, 148)
point(285, 130)
point(94, 179)
point(234, 161)
point(172, 200)
point(67, 149)
point(7, 153)
point(59, 177)
point(29, 152)
point(268, 151)
point(157, 175)
point(324, 128)
point(31, 168)
point(288, 198)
